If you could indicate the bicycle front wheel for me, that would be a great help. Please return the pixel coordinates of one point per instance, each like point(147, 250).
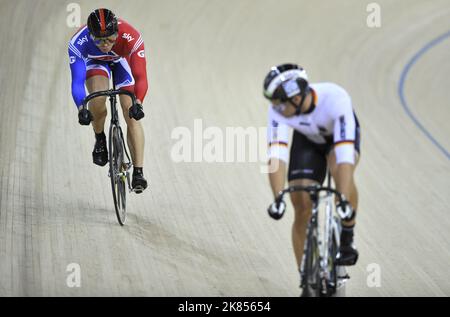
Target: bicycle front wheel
point(117, 173)
point(311, 268)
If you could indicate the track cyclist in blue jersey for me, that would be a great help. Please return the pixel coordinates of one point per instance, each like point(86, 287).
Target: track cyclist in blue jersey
point(107, 39)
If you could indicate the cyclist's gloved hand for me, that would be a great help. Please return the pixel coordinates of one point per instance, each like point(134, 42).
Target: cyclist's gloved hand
point(345, 210)
point(84, 116)
point(136, 111)
point(276, 209)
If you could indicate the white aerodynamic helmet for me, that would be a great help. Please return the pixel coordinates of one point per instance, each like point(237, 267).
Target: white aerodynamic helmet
point(286, 81)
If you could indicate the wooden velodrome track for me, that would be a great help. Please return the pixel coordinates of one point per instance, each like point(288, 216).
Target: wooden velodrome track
point(202, 228)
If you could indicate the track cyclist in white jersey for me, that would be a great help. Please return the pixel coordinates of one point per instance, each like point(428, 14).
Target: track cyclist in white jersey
point(326, 133)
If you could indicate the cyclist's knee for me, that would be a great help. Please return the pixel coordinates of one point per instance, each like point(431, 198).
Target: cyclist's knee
point(98, 104)
point(126, 105)
point(125, 102)
point(98, 107)
point(301, 201)
point(302, 206)
point(130, 121)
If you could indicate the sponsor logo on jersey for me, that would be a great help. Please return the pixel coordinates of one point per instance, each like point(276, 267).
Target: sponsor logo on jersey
point(82, 40)
point(128, 37)
point(342, 124)
point(72, 59)
point(141, 53)
point(302, 171)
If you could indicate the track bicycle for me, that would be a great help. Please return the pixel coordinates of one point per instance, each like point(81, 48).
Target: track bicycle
point(321, 276)
point(119, 159)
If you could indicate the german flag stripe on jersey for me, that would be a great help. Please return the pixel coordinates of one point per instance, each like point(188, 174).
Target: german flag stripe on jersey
point(314, 96)
point(343, 142)
point(278, 143)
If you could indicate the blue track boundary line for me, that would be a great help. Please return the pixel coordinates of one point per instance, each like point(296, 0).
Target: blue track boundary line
point(401, 87)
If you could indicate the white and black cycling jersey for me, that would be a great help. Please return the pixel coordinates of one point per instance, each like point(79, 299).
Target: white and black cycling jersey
point(331, 121)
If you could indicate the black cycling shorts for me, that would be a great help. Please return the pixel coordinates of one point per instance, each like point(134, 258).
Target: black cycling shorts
point(308, 160)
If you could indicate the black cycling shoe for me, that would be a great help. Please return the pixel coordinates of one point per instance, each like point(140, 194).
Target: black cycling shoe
point(139, 183)
point(100, 153)
point(347, 255)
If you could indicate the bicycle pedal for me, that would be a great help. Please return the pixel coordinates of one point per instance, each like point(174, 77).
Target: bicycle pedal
point(138, 189)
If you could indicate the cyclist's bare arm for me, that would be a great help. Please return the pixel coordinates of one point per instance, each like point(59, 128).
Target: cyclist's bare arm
point(344, 179)
point(277, 175)
point(345, 184)
point(278, 153)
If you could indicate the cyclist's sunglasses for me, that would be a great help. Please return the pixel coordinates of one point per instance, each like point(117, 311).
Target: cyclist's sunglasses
point(104, 40)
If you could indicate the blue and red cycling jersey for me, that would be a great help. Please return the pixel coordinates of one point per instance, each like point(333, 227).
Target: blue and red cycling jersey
point(128, 53)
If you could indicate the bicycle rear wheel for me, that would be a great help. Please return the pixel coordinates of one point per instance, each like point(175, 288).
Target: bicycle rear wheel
point(311, 268)
point(117, 173)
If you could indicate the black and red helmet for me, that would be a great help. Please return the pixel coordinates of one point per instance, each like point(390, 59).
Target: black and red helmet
point(102, 23)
